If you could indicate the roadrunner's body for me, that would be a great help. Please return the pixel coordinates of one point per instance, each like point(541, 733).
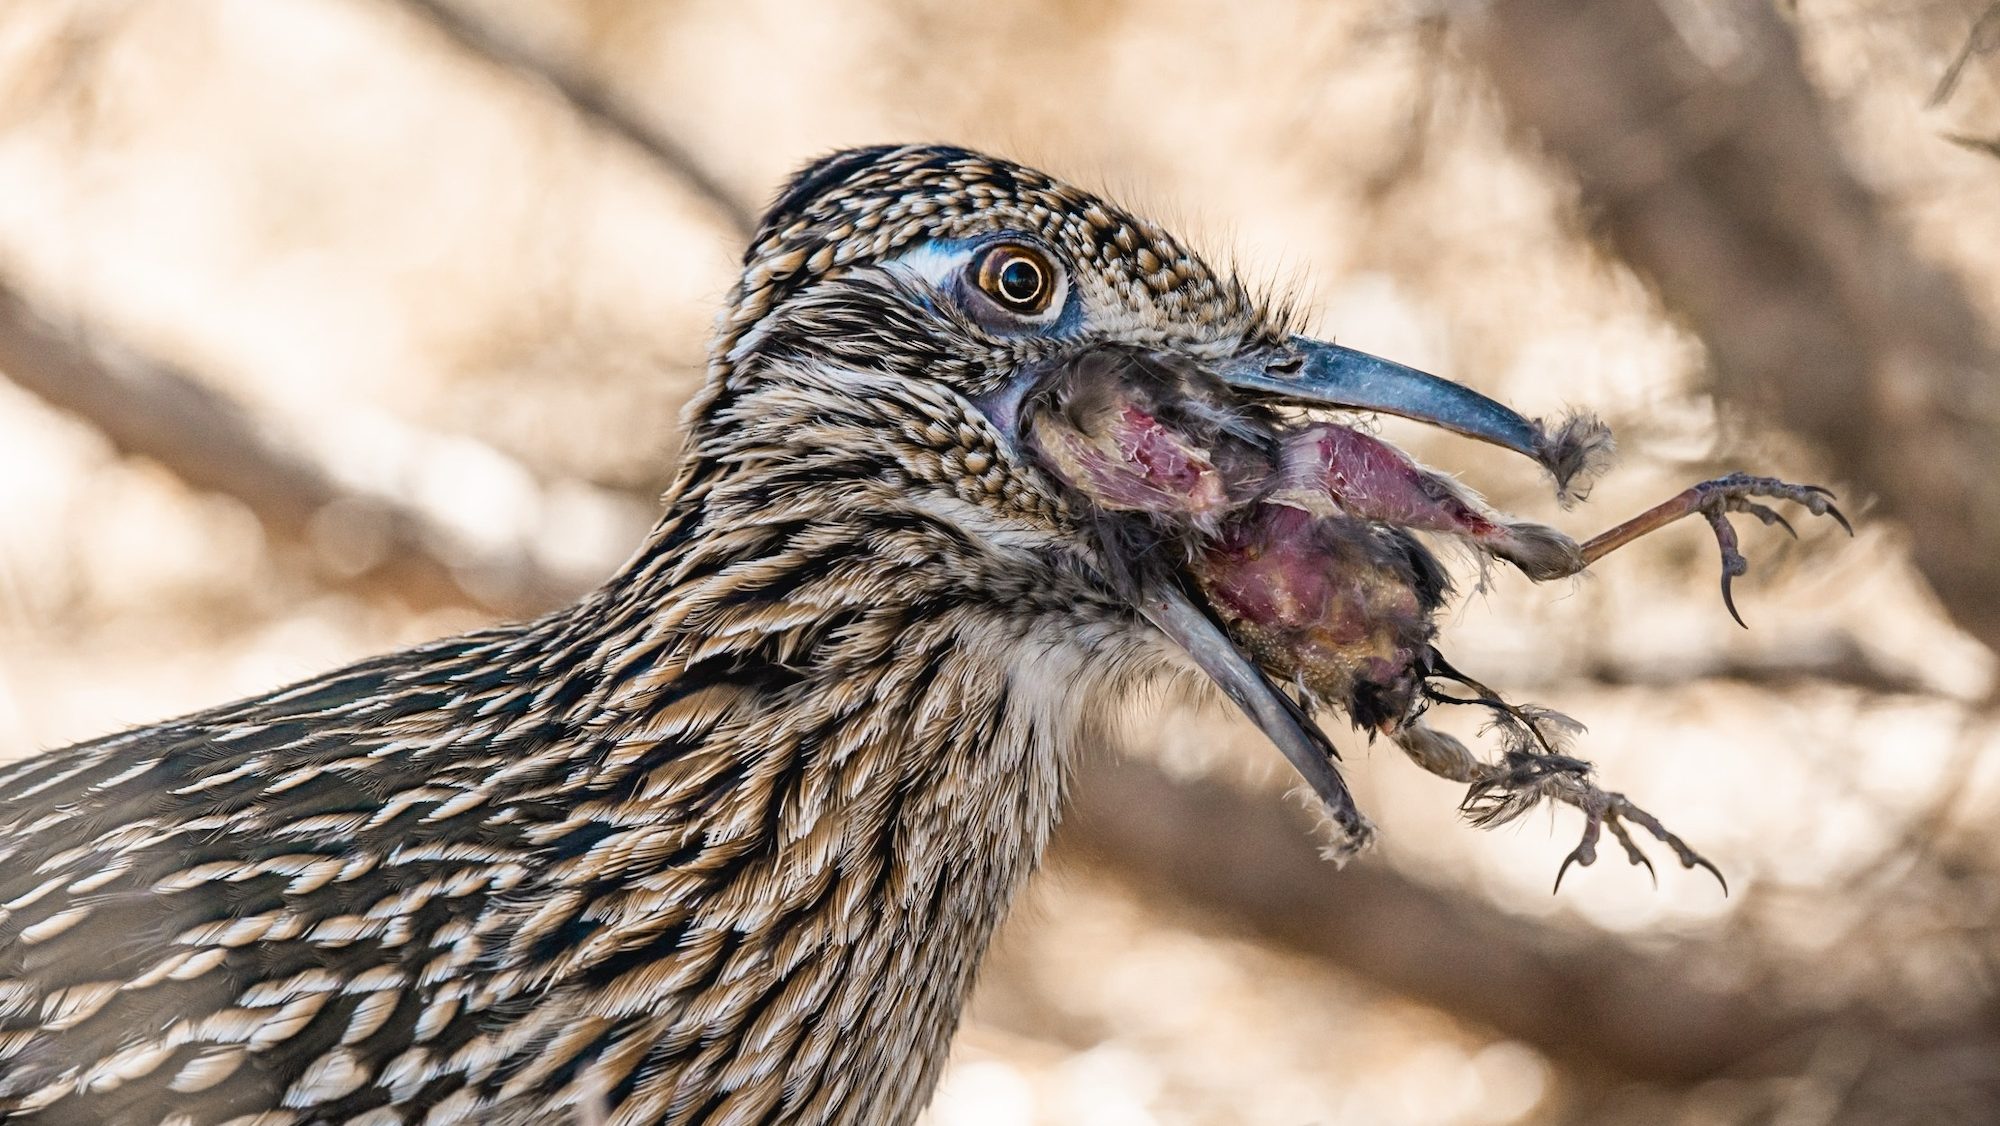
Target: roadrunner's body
point(724, 842)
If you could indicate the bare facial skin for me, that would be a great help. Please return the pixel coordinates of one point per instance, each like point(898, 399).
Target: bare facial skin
point(1299, 537)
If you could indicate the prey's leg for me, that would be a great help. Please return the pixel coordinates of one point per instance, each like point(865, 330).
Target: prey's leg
point(1327, 468)
point(1715, 500)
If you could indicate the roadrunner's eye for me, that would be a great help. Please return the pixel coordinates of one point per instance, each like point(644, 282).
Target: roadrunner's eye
point(1020, 278)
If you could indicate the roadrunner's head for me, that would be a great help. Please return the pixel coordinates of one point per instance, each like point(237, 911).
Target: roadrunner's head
point(906, 319)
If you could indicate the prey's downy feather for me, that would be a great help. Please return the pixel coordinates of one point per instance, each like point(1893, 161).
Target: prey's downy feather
point(1576, 450)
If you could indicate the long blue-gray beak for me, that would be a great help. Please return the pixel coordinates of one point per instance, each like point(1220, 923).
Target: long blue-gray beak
point(1314, 373)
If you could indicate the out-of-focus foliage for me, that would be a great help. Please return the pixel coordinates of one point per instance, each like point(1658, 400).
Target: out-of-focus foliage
point(340, 215)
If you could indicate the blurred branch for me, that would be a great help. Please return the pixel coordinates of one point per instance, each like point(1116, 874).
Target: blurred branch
point(1707, 160)
point(1989, 146)
point(1584, 999)
point(1834, 657)
point(388, 537)
point(591, 99)
point(1984, 38)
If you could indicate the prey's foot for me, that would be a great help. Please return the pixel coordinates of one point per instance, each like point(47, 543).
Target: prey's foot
point(1502, 792)
point(1605, 810)
point(1715, 500)
point(1536, 766)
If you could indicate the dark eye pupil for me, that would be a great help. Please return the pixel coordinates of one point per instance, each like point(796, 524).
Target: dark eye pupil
point(1020, 281)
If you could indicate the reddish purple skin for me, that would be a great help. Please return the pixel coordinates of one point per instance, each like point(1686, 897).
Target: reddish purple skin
point(1369, 478)
point(1135, 465)
point(1330, 469)
point(1316, 599)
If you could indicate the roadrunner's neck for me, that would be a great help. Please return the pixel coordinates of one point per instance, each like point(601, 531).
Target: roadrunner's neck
point(833, 705)
point(722, 843)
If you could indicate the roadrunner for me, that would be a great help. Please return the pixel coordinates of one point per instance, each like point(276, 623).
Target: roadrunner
point(979, 457)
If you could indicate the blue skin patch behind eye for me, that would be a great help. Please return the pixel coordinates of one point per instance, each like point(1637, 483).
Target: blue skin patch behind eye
point(942, 263)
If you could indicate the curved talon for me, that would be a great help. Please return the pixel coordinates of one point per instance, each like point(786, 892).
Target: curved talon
point(1729, 600)
point(1816, 506)
point(1817, 500)
point(1733, 562)
point(1651, 871)
point(1702, 862)
point(1564, 870)
point(1633, 855)
point(1583, 856)
point(1768, 515)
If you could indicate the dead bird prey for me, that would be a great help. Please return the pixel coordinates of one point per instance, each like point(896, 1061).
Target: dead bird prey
point(1297, 539)
point(979, 456)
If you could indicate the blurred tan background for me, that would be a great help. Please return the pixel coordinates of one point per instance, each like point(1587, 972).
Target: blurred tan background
point(333, 325)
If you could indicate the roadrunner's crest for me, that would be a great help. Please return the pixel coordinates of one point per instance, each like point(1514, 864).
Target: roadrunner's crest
point(979, 456)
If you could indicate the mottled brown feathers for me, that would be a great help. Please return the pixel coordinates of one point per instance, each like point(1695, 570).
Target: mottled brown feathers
point(723, 843)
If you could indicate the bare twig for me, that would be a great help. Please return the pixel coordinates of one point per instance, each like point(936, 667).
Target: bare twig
point(368, 519)
point(1831, 657)
point(1989, 146)
point(592, 99)
point(1984, 38)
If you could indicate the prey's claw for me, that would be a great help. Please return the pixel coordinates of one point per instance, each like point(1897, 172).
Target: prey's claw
point(1583, 855)
point(1603, 810)
point(1633, 855)
point(1537, 767)
point(1702, 862)
point(1621, 809)
point(1572, 858)
point(1769, 516)
point(1733, 563)
point(1716, 499)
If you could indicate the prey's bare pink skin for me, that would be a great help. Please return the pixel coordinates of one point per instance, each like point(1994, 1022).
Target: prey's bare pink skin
point(1326, 467)
point(1128, 461)
point(1292, 534)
